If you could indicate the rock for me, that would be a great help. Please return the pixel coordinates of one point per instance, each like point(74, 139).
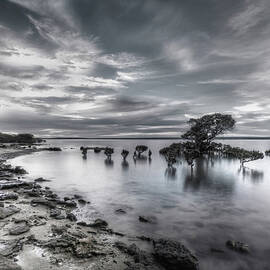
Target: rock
point(174, 255)
point(140, 257)
point(145, 219)
point(11, 248)
point(6, 264)
point(36, 220)
point(237, 246)
point(19, 229)
point(42, 201)
point(76, 196)
point(99, 223)
point(81, 201)
point(8, 196)
point(2, 204)
point(8, 211)
point(71, 217)
point(8, 184)
point(120, 211)
point(53, 149)
point(55, 212)
point(144, 238)
point(33, 193)
point(67, 203)
point(41, 180)
point(58, 229)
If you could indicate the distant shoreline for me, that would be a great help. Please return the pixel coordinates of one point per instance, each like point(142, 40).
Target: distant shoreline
point(150, 138)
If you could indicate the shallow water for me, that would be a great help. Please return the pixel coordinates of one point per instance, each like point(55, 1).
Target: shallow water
point(204, 209)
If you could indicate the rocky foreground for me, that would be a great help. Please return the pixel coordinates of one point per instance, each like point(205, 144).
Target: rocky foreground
point(40, 231)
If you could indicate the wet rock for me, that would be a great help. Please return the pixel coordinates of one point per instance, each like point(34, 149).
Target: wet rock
point(174, 255)
point(8, 196)
point(120, 211)
point(6, 264)
point(67, 203)
point(71, 217)
point(82, 201)
point(84, 250)
point(8, 184)
point(41, 180)
point(2, 204)
point(11, 248)
point(237, 246)
point(55, 212)
point(140, 257)
point(57, 149)
point(19, 229)
point(66, 199)
point(36, 220)
point(77, 234)
point(33, 193)
point(58, 229)
point(76, 196)
point(145, 219)
point(99, 223)
point(8, 211)
point(42, 201)
point(144, 238)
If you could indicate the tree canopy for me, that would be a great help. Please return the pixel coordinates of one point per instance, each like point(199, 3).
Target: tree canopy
point(205, 129)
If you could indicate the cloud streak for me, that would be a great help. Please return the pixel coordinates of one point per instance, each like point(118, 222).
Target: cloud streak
point(122, 68)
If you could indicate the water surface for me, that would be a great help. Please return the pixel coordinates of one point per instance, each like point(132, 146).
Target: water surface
point(204, 209)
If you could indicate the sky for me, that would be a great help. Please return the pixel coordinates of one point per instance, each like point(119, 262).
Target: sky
point(133, 68)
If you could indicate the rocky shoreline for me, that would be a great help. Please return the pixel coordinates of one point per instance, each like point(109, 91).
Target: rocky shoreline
point(40, 230)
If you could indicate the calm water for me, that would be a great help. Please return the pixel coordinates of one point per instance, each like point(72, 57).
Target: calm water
point(219, 202)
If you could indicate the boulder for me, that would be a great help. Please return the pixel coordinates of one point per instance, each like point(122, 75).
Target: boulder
point(99, 223)
point(8, 184)
point(237, 246)
point(145, 219)
point(19, 229)
point(8, 211)
point(71, 217)
point(8, 196)
point(174, 255)
point(41, 180)
point(42, 201)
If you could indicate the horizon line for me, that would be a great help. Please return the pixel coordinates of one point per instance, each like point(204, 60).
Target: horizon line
point(154, 138)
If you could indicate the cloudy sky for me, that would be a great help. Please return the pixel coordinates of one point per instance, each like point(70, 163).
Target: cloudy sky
point(133, 67)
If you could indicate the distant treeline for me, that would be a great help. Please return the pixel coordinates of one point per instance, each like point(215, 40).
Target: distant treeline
point(19, 138)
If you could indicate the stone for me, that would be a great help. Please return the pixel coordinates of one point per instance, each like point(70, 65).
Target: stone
point(11, 248)
point(120, 211)
point(71, 217)
point(174, 255)
point(8, 184)
point(237, 246)
point(145, 219)
point(41, 180)
point(42, 201)
point(8, 211)
point(99, 223)
point(7, 264)
point(8, 196)
point(55, 212)
point(19, 229)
